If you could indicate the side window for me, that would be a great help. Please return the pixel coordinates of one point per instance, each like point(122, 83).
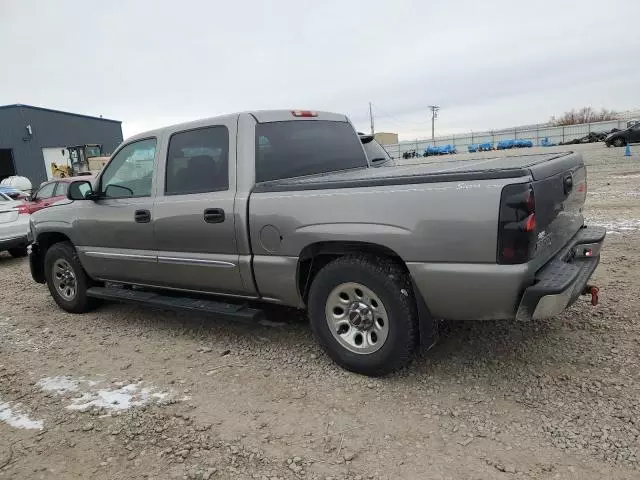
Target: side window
point(61, 189)
point(198, 161)
point(46, 191)
point(298, 148)
point(130, 172)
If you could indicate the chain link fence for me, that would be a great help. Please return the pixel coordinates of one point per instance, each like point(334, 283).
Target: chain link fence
point(534, 133)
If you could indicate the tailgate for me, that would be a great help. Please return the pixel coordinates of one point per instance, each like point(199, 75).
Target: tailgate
point(560, 189)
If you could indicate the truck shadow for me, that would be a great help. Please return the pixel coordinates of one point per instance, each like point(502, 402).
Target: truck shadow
point(478, 343)
point(6, 259)
point(475, 348)
point(492, 349)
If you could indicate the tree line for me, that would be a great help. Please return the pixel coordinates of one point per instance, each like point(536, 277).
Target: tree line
point(583, 115)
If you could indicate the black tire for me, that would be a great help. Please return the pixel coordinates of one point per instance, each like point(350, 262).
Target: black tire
point(392, 286)
point(18, 252)
point(80, 302)
point(619, 142)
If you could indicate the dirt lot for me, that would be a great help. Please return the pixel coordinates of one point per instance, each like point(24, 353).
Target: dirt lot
point(131, 393)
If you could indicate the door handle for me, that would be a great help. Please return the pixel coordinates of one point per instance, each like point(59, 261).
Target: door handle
point(142, 216)
point(214, 215)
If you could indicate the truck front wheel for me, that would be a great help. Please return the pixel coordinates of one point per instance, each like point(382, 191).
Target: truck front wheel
point(363, 313)
point(66, 279)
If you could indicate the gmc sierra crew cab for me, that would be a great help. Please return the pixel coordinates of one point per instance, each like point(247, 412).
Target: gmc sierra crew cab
point(230, 213)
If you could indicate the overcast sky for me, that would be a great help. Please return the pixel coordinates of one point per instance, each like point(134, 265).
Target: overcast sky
point(489, 64)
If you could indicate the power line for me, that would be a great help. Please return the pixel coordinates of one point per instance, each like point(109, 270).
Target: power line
point(388, 115)
point(401, 123)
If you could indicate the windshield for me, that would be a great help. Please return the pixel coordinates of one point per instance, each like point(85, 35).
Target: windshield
point(92, 151)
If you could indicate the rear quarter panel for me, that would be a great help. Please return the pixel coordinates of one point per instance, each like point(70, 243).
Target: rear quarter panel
point(429, 222)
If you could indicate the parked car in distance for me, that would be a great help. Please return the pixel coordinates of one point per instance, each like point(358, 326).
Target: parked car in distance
point(624, 137)
point(13, 192)
point(226, 214)
point(14, 226)
point(51, 192)
point(18, 182)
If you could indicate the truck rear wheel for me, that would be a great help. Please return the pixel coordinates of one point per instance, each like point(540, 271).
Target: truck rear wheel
point(66, 279)
point(363, 313)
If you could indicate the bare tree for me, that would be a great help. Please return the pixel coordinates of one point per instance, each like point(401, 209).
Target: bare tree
point(584, 115)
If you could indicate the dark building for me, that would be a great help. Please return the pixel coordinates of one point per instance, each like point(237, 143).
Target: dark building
point(33, 137)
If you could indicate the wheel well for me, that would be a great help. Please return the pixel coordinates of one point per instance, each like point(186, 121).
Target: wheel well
point(315, 256)
point(45, 240)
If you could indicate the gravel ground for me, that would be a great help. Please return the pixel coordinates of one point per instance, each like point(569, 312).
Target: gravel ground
point(129, 393)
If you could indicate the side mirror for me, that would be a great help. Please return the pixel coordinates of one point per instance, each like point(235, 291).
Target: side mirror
point(79, 190)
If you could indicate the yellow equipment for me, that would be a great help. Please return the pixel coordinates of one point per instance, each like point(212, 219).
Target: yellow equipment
point(62, 171)
point(86, 159)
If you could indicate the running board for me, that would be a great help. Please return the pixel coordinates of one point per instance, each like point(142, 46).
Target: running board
point(167, 302)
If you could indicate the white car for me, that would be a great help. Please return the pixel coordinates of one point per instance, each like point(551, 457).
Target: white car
point(14, 226)
point(19, 183)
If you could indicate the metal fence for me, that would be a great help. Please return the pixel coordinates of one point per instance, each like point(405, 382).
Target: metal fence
point(535, 133)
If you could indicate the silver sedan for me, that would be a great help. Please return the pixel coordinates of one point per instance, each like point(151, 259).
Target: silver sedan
point(14, 226)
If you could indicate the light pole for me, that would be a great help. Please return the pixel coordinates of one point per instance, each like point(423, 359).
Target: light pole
point(371, 117)
point(434, 114)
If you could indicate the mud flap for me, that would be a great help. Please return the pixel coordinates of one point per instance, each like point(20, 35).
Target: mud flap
point(36, 264)
point(428, 325)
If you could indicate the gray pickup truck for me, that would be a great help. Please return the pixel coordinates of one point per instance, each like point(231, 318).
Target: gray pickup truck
point(228, 214)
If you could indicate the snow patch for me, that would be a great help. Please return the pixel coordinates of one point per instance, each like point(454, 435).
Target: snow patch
point(64, 384)
point(15, 417)
point(615, 226)
point(624, 177)
point(121, 398)
point(116, 397)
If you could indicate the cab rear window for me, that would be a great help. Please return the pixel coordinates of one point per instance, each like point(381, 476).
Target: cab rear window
point(299, 148)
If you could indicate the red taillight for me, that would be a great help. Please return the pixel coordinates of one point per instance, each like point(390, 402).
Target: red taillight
point(517, 224)
point(303, 113)
point(530, 223)
point(531, 200)
point(23, 209)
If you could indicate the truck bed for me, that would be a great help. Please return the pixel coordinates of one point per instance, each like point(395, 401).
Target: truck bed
point(538, 166)
point(442, 213)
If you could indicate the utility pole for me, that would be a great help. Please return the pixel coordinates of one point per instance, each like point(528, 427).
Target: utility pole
point(371, 117)
point(434, 114)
